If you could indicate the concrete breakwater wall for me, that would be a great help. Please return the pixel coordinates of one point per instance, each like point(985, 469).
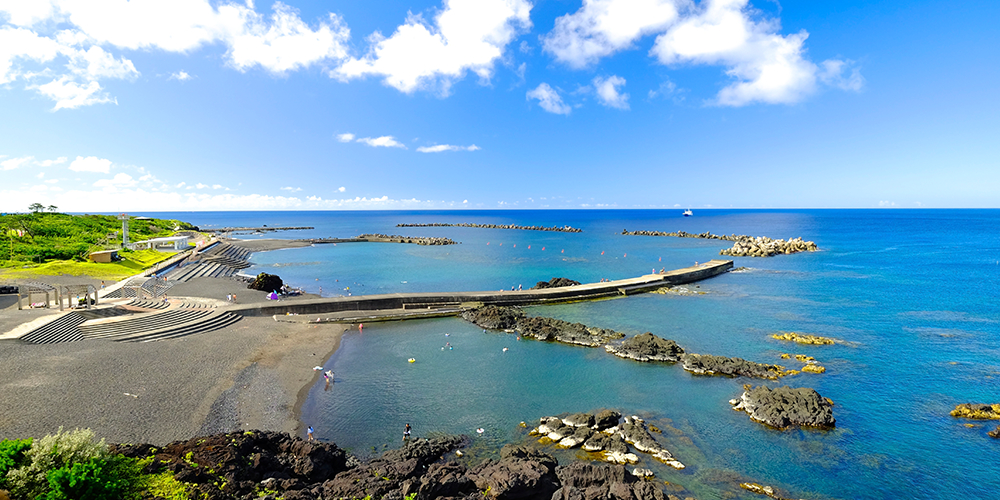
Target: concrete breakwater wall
point(383, 238)
point(560, 229)
point(744, 245)
point(430, 300)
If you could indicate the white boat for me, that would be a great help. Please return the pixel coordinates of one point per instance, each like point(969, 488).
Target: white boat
point(688, 213)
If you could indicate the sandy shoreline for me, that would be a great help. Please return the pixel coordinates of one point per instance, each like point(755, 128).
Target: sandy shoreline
point(254, 374)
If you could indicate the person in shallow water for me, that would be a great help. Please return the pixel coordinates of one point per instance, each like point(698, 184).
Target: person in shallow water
point(406, 432)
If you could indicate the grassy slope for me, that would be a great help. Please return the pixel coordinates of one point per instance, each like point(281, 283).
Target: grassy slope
point(53, 244)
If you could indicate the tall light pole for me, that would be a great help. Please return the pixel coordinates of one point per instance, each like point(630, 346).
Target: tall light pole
point(124, 219)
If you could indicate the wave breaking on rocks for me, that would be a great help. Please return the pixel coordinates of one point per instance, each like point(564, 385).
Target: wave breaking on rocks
point(743, 245)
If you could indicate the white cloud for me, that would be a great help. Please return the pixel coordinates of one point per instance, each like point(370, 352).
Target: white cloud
point(13, 163)
point(446, 147)
point(608, 93)
point(549, 99)
point(345, 137)
point(120, 180)
point(292, 189)
point(200, 186)
point(82, 32)
point(49, 163)
point(180, 185)
point(181, 76)
point(467, 35)
point(90, 164)
point(342, 189)
point(603, 27)
point(885, 203)
point(69, 94)
point(385, 141)
point(284, 44)
point(764, 65)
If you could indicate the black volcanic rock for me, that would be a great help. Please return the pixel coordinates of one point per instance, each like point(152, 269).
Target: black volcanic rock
point(554, 282)
point(707, 364)
point(647, 347)
point(539, 328)
point(494, 317)
point(785, 407)
point(266, 282)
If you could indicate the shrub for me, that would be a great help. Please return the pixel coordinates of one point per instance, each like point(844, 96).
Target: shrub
point(11, 456)
point(164, 485)
point(113, 477)
point(50, 453)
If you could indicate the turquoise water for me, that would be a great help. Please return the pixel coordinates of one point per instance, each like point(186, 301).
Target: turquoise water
point(914, 293)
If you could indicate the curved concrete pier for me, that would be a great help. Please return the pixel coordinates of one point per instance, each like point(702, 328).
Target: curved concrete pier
point(421, 303)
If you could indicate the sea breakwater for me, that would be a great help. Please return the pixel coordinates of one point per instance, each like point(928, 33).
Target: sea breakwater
point(395, 238)
point(256, 464)
point(558, 229)
point(785, 407)
point(743, 245)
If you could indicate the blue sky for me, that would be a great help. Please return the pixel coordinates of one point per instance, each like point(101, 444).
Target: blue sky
point(346, 104)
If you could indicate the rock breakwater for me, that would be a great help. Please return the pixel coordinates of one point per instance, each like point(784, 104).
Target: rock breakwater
point(743, 245)
point(395, 238)
point(785, 407)
point(539, 328)
point(559, 229)
point(605, 433)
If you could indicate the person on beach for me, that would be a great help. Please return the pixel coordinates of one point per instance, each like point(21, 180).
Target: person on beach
point(406, 432)
point(229, 297)
point(361, 326)
point(234, 298)
point(309, 433)
point(519, 287)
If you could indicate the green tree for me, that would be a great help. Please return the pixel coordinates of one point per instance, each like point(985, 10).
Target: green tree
point(36, 207)
point(53, 208)
point(115, 477)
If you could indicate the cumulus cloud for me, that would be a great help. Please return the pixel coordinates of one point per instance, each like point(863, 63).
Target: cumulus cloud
point(440, 148)
point(385, 141)
point(345, 137)
point(120, 180)
point(608, 93)
point(49, 163)
point(342, 189)
point(467, 35)
point(292, 189)
point(549, 99)
point(764, 65)
point(13, 163)
point(603, 27)
point(181, 76)
point(40, 32)
point(90, 164)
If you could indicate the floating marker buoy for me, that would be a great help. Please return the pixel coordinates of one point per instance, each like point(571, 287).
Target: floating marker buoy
point(562, 251)
point(543, 249)
point(626, 255)
point(480, 430)
point(504, 349)
point(602, 252)
point(412, 360)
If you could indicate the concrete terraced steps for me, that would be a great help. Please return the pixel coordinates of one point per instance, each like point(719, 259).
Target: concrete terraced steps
point(202, 269)
point(63, 329)
point(140, 325)
point(149, 304)
point(213, 321)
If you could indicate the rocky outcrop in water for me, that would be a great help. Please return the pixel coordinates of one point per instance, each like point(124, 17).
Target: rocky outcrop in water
point(266, 282)
point(560, 229)
point(803, 338)
point(605, 433)
point(254, 465)
point(395, 238)
point(554, 283)
point(977, 411)
point(744, 245)
point(539, 328)
point(707, 364)
point(786, 407)
point(995, 433)
point(647, 347)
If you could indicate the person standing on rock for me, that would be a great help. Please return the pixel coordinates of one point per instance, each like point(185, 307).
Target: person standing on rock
point(406, 432)
point(309, 433)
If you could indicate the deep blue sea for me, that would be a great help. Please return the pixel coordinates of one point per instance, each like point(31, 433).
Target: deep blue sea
point(913, 293)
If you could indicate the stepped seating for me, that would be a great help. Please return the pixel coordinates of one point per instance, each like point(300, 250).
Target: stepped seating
point(149, 304)
point(213, 321)
point(63, 329)
point(108, 312)
point(195, 305)
point(142, 325)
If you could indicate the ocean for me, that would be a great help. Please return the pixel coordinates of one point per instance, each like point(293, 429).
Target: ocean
point(912, 293)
